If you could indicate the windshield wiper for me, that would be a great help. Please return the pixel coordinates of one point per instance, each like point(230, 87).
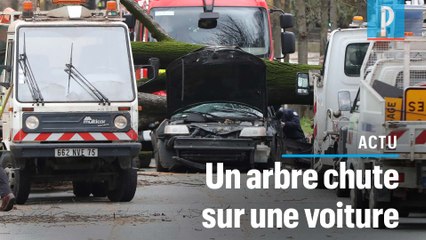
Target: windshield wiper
point(24, 64)
point(74, 74)
point(204, 114)
point(239, 111)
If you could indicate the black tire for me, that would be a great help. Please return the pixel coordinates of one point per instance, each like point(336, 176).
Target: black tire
point(374, 204)
point(403, 213)
point(342, 193)
point(19, 180)
point(162, 155)
point(82, 188)
point(99, 189)
point(345, 192)
point(357, 199)
point(132, 184)
point(144, 160)
point(125, 187)
point(320, 172)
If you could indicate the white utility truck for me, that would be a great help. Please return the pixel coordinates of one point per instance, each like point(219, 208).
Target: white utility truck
point(70, 107)
point(344, 55)
point(389, 113)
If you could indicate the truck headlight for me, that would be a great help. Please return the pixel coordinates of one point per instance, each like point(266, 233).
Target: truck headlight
point(32, 122)
point(176, 129)
point(120, 122)
point(253, 132)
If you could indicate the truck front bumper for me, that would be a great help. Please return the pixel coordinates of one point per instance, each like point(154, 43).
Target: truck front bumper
point(105, 150)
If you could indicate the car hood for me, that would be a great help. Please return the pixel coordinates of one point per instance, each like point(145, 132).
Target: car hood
point(216, 74)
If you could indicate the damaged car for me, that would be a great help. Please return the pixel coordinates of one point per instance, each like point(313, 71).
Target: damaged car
point(217, 112)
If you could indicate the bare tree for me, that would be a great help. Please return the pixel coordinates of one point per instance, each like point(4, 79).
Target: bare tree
point(302, 31)
point(324, 25)
point(276, 31)
point(333, 14)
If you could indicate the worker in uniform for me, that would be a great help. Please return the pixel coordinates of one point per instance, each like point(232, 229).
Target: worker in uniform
point(7, 197)
point(291, 124)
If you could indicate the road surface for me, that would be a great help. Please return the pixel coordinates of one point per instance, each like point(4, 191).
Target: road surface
point(169, 206)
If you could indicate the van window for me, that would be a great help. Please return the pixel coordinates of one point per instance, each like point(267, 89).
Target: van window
point(354, 57)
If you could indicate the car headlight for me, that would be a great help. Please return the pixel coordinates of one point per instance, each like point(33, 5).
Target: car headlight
point(32, 122)
point(120, 122)
point(253, 132)
point(176, 129)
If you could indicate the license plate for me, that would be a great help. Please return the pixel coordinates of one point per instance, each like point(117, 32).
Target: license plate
point(76, 152)
point(415, 104)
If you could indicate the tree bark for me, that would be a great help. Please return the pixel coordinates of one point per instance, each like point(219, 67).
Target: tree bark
point(324, 25)
point(154, 28)
point(302, 36)
point(166, 51)
point(333, 14)
point(276, 30)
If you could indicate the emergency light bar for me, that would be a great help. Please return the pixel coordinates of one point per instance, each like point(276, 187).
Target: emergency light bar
point(69, 2)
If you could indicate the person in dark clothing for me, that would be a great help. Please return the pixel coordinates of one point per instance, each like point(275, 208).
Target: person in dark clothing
point(291, 124)
point(7, 197)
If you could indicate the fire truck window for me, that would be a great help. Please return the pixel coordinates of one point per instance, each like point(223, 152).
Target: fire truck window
point(354, 57)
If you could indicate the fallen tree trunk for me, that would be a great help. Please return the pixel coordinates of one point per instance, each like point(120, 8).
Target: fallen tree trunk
point(153, 109)
point(281, 77)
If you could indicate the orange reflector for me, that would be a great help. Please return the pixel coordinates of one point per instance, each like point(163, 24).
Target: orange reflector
point(358, 18)
point(111, 6)
point(28, 109)
point(123, 108)
point(11, 109)
point(409, 34)
point(140, 108)
point(27, 6)
point(70, 2)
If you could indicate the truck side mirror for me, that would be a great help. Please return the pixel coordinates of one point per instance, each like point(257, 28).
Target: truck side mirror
point(208, 20)
point(153, 67)
point(153, 72)
point(302, 87)
point(286, 20)
point(130, 20)
point(344, 100)
point(288, 42)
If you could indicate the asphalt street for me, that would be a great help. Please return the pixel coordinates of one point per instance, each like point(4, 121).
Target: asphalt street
point(169, 206)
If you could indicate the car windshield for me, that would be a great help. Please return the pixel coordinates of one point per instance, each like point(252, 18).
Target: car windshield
point(245, 27)
point(74, 64)
point(223, 110)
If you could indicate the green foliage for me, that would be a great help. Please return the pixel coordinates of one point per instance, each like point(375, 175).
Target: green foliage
point(306, 124)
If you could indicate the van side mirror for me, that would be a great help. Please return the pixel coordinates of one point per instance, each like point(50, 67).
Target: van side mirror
point(302, 87)
point(286, 20)
point(208, 20)
point(344, 100)
point(288, 42)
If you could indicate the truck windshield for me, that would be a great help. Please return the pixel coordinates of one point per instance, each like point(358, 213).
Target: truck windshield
point(101, 55)
point(245, 27)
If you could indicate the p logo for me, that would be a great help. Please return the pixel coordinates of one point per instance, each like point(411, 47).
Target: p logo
point(386, 19)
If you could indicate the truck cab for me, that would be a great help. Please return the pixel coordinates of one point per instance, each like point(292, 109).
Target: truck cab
point(70, 109)
point(390, 103)
point(344, 56)
point(242, 23)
